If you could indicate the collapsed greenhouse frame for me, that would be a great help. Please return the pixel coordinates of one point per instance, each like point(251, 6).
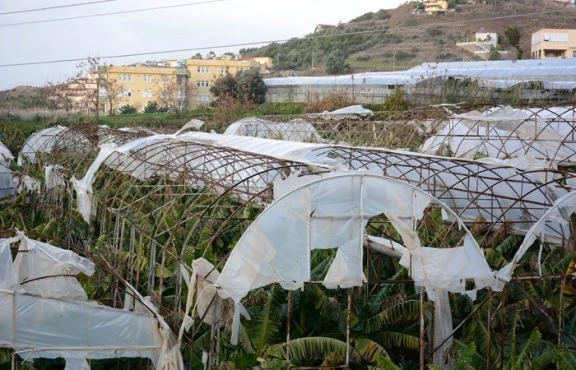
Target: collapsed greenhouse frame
point(230, 169)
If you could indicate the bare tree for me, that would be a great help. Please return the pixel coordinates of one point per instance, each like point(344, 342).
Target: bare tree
point(112, 91)
point(176, 94)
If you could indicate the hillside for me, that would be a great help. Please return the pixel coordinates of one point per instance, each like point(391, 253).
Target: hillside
point(397, 39)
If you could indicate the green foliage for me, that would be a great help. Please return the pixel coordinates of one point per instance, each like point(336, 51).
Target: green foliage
point(380, 15)
point(434, 32)
point(225, 87)
point(248, 86)
point(152, 107)
point(330, 102)
point(128, 109)
point(307, 52)
point(396, 101)
point(281, 108)
point(513, 36)
point(336, 62)
point(494, 54)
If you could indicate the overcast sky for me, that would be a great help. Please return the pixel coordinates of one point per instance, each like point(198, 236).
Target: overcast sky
point(205, 25)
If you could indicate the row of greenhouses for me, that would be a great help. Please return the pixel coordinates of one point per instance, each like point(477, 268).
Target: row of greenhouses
point(296, 242)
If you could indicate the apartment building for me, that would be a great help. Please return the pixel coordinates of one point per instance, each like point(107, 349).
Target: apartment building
point(142, 83)
point(435, 6)
point(550, 43)
point(203, 72)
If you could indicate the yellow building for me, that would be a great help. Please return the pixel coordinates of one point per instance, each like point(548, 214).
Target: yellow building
point(203, 72)
point(553, 43)
point(435, 7)
point(140, 84)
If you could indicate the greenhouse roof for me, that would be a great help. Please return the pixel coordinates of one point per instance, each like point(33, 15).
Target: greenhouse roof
point(559, 73)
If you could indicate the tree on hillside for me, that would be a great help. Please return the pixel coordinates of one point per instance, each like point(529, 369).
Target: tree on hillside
point(513, 36)
point(336, 62)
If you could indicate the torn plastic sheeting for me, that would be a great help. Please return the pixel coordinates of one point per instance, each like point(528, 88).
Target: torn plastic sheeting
point(7, 181)
point(328, 213)
point(39, 260)
point(55, 328)
point(201, 285)
point(386, 246)
point(53, 177)
point(5, 155)
point(26, 184)
point(41, 141)
point(448, 269)
point(560, 212)
point(52, 320)
point(503, 133)
point(83, 187)
point(8, 278)
point(442, 329)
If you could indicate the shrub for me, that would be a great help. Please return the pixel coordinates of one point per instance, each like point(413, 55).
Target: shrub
point(128, 109)
point(396, 101)
point(330, 102)
point(434, 32)
point(152, 107)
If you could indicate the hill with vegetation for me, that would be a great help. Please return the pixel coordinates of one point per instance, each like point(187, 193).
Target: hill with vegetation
point(401, 38)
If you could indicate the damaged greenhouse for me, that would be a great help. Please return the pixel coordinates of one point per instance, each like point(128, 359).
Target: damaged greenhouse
point(310, 241)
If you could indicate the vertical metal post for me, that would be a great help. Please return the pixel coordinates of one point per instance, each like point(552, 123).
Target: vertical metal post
point(422, 328)
point(348, 328)
point(562, 283)
point(288, 330)
point(489, 327)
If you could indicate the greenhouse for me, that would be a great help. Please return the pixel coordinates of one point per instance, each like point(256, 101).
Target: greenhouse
point(344, 240)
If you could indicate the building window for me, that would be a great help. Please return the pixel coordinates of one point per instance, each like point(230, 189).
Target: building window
point(147, 78)
point(203, 70)
point(223, 71)
point(202, 83)
point(202, 98)
point(147, 93)
point(165, 79)
point(127, 93)
point(125, 78)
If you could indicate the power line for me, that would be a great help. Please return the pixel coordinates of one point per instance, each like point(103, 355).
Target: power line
point(56, 7)
point(273, 41)
point(111, 13)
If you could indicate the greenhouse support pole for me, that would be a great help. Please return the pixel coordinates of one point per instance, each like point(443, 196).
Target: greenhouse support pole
point(421, 328)
point(348, 329)
point(489, 327)
point(562, 284)
point(288, 329)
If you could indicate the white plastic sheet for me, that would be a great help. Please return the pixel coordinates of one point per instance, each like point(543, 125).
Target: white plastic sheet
point(294, 130)
point(332, 213)
point(44, 314)
point(506, 133)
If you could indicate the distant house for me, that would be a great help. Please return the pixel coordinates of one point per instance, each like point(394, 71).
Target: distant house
point(553, 43)
point(486, 37)
point(435, 7)
point(323, 27)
